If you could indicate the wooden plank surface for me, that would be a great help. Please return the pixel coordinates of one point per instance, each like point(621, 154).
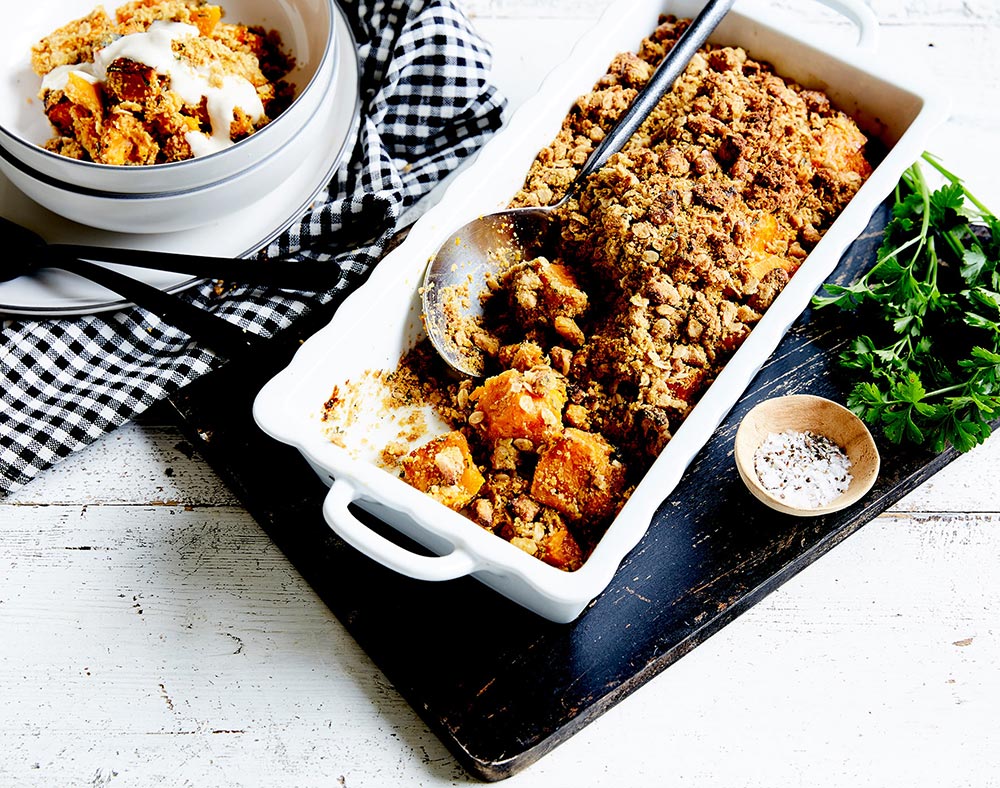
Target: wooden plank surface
point(875, 666)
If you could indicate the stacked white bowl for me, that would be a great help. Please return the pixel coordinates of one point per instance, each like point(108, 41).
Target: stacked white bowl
point(179, 195)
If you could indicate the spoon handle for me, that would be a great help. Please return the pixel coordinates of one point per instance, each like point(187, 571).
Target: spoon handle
point(670, 68)
point(224, 338)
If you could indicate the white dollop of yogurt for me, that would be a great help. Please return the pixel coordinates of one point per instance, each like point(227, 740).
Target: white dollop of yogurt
point(154, 48)
point(57, 78)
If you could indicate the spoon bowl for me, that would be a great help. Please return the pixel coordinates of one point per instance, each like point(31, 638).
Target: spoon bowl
point(462, 269)
point(457, 276)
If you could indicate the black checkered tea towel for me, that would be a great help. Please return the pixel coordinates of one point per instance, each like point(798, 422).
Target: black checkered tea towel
point(427, 104)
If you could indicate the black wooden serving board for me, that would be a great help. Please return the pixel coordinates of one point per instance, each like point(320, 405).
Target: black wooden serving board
point(499, 685)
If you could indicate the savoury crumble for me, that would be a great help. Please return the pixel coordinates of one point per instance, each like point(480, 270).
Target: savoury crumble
point(596, 351)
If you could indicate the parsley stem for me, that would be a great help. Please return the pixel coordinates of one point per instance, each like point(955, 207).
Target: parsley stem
point(945, 390)
point(918, 184)
point(931, 159)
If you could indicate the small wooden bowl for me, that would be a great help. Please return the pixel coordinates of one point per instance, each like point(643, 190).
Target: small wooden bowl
point(801, 412)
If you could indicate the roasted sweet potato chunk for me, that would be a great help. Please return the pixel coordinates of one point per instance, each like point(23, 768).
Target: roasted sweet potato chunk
point(548, 539)
point(521, 405)
point(82, 91)
point(444, 469)
point(541, 291)
point(577, 476)
point(131, 81)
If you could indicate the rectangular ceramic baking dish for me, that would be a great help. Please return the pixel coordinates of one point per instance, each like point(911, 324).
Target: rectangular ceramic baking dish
point(378, 323)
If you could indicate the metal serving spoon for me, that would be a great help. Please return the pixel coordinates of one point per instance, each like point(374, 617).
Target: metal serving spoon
point(292, 274)
point(225, 338)
point(486, 244)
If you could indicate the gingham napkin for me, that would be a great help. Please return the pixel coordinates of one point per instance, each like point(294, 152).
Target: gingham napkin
point(426, 105)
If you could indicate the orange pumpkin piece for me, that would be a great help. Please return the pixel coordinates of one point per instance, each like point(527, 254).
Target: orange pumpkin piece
point(561, 550)
point(541, 291)
point(577, 476)
point(547, 538)
point(128, 80)
point(60, 114)
point(85, 93)
point(517, 404)
point(761, 266)
point(444, 469)
point(841, 148)
point(206, 18)
point(125, 140)
point(766, 237)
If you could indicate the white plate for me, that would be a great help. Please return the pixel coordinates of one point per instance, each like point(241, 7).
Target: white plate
point(57, 293)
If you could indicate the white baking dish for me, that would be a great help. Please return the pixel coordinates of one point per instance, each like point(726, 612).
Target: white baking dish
point(382, 320)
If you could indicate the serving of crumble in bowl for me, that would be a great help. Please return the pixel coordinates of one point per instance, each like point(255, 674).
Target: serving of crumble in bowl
point(158, 115)
point(539, 479)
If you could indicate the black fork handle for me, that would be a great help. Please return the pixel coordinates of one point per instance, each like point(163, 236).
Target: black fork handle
point(218, 334)
point(289, 274)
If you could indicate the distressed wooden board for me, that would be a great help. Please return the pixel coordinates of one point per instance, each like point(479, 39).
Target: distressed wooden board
point(499, 685)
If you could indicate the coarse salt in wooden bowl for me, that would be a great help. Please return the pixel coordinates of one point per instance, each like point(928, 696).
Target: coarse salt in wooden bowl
point(791, 416)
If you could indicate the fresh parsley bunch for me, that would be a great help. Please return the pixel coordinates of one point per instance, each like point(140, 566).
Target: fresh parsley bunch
point(929, 370)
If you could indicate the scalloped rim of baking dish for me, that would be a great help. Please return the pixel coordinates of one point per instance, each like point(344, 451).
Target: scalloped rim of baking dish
point(380, 321)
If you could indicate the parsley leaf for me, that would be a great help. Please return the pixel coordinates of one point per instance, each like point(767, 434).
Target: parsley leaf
point(928, 371)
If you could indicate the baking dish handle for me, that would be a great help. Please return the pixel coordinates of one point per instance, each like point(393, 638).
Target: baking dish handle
point(455, 564)
point(861, 14)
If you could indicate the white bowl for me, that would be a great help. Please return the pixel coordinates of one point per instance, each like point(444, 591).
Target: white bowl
point(307, 29)
point(382, 318)
point(179, 209)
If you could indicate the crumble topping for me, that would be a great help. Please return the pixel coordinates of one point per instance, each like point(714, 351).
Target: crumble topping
point(666, 259)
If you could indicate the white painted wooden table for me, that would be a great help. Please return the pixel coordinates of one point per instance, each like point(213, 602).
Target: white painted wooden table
point(150, 634)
